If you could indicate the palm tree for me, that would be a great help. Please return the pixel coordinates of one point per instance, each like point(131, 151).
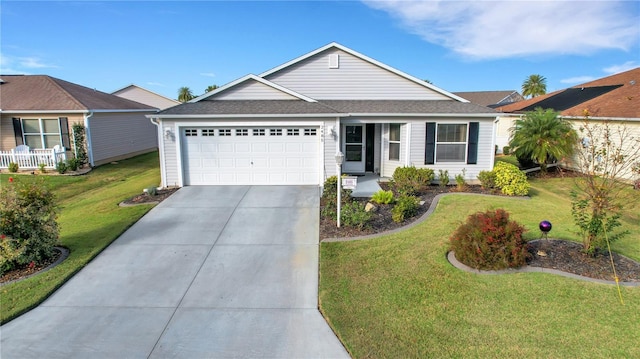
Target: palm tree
point(543, 137)
point(185, 94)
point(534, 85)
point(210, 88)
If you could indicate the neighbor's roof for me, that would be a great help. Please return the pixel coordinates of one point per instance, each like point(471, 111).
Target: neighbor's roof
point(616, 96)
point(46, 93)
point(488, 98)
point(325, 107)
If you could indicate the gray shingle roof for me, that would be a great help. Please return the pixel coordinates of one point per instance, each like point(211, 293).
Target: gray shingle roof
point(486, 98)
point(46, 93)
point(292, 107)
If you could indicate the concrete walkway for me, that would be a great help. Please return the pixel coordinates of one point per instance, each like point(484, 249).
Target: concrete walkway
point(211, 272)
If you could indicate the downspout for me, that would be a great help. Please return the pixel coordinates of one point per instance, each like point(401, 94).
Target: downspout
point(88, 134)
point(163, 169)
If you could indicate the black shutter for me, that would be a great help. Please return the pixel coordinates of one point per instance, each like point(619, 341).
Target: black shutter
point(430, 144)
point(64, 131)
point(472, 148)
point(17, 131)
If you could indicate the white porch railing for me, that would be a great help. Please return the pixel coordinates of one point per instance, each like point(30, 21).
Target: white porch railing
point(31, 159)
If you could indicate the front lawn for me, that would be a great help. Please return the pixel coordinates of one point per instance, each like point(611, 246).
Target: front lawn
point(398, 297)
point(90, 220)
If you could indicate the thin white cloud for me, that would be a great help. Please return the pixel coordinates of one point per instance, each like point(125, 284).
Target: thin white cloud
point(577, 80)
point(503, 29)
point(34, 63)
point(208, 74)
point(616, 69)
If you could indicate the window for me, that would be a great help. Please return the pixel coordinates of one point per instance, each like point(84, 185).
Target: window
point(224, 132)
point(309, 131)
point(208, 132)
point(41, 132)
point(258, 132)
point(451, 142)
point(275, 132)
point(242, 132)
point(293, 132)
point(394, 142)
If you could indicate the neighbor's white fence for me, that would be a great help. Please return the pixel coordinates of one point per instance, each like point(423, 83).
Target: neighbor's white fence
point(31, 159)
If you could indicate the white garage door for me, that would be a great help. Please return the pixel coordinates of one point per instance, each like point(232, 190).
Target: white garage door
point(250, 155)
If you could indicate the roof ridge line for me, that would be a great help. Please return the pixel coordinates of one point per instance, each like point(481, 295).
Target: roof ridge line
point(54, 80)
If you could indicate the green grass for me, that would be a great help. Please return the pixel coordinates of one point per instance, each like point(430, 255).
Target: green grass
point(508, 159)
point(90, 219)
point(398, 297)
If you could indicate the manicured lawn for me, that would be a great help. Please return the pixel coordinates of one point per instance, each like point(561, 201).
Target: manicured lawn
point(89, 221)
point(398, 297)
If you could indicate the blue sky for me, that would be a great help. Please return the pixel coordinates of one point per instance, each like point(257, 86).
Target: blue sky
point(457, 45)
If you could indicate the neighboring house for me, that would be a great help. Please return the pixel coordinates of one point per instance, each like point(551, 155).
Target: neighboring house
point(495, 99)
point(614, 98)
point(39, 111)
point(147, 97)
point(286, 125)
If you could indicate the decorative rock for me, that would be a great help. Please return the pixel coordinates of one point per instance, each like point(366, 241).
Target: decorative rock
point(422, 203)
point(370, 207)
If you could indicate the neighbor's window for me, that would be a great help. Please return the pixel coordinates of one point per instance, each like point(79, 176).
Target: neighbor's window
point(394, 142)
point(451, 142)
point(41, 132)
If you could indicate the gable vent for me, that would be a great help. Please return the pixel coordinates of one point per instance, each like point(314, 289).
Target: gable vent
point(334, 61)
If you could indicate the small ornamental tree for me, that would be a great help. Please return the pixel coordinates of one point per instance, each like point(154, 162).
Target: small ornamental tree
point(489, 240)
point(607, 154)
point(79, 143)
point(28, 227)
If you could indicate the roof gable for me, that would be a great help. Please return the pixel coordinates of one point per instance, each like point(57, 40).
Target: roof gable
point(252, 87)
point(46, 93)
point(339, 73)
point(140, 94)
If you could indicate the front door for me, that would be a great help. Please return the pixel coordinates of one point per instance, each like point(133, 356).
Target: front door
point(354, 148)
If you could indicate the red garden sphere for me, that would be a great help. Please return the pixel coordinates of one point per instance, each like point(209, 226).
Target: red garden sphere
point(545, 226)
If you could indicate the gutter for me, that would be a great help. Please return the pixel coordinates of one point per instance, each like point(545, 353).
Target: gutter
point(163, 170)
point(88, 115)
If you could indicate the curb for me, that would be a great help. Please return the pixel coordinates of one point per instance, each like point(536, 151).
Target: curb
point(451, 257)
point(64, 253)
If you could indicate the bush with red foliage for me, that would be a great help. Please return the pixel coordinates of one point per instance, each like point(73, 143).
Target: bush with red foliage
point(489, 240)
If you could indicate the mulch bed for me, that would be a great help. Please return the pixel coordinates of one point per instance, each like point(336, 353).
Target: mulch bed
point(27, 270)
point(568, 257)
point(145, 198)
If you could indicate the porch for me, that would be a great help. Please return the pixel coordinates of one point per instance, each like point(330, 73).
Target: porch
point(27, 158)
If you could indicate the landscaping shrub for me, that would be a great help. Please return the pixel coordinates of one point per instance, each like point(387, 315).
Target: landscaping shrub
point(330, 197)
point(73, 164)
point(487, 179)
point(62, 167)
point(354, 215)
point(382, 197)
point(443, 177)
point(79, 143)
point(461, 182)
point(489, 240)
point(28, 226)
point(506, 150)
point(42, 168)
point(406, 207)
point(152, 191)
point(13, 167)
point(412, 180)
point(510, 179)
point(525, 161)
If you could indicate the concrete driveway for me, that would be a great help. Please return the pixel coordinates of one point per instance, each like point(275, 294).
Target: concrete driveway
point(211, 272)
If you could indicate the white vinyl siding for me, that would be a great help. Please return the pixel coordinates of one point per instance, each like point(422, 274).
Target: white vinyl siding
point(121, 135)
point(330, 146)
point(485, 148)
point(252, 90)
point(354, 79)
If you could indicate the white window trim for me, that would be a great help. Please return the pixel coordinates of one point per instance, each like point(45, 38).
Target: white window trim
point(466, 143)
point(399, 142)
point(41, 133)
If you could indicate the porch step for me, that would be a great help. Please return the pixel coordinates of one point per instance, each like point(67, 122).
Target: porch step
point(367, 186)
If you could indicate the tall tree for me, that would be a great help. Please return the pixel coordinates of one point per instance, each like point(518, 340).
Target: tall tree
point(543, 137)
point(211, 88)
point(534, 85)
point(185, 94)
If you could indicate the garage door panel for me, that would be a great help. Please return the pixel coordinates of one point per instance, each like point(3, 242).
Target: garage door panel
point(244, 158)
